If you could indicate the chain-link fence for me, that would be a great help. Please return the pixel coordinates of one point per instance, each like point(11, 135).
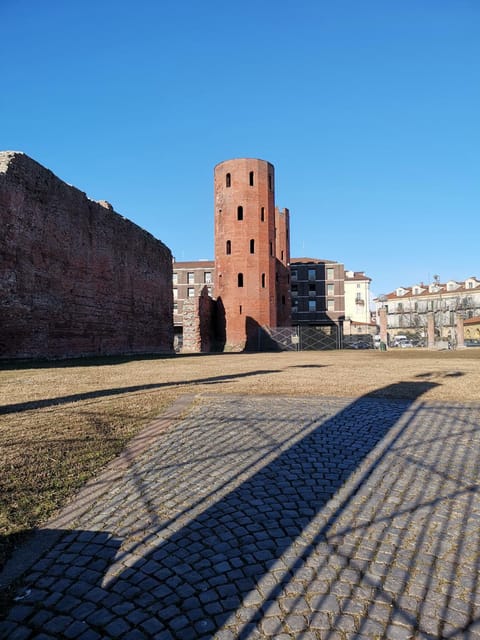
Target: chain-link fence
point(300, 338)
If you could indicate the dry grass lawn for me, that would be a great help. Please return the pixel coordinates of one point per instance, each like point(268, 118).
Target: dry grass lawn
point(60, 423)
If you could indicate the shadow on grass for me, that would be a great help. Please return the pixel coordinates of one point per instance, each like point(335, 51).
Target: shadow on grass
point(105, 393)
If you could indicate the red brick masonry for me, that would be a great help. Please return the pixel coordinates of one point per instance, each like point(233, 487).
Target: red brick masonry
point(76, 278)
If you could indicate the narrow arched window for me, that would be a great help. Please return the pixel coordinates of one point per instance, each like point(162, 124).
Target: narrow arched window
point(270, 182)
point(240, 213)
point(262, 214)
point(250, 179)
point(228, 180)
point(228, 249)
point(252, 246)
point(263, 281)
point(240, 279)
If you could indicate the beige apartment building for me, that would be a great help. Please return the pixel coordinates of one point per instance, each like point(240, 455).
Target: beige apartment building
point(408, 308)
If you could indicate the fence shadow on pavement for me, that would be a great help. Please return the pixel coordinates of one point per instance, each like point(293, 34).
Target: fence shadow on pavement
point(363, 520)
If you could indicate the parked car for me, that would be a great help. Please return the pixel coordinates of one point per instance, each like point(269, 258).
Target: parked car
point(472, 343)
point(360, 344)
point(406, 344)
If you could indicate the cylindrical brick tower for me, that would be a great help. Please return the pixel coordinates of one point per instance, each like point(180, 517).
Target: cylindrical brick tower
point(245, 248)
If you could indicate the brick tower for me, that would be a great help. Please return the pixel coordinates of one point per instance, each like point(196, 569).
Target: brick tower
point(249, 275)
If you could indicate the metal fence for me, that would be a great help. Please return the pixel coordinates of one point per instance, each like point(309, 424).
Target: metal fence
point(300, 338)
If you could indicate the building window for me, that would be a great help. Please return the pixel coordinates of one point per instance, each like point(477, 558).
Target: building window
point(240, 309)
point(252, 246)
point(240, 279)
point(283, 299)
point(294, 290)
point(191, 277)
point(330, 273)
point(282, 256)
point(190, 292)
point(175, 306)
point(294, 306)
point(294, 275)
point(250, 178)
point(312, 305)
point(262, 214)
point(312, 290)
point(330, 304)
point(228, 180)
point(240, 213)
point(228, 248)
point(174, 277)
point(263, 281)
point(330, 289)
point(271, 248)
point(207, 277)
point(270, 182)
point(311, 274)
point(175, 294)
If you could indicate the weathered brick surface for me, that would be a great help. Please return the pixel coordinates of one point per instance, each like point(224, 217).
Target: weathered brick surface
point(76, 278)
point(198, 324)
point(247, 279)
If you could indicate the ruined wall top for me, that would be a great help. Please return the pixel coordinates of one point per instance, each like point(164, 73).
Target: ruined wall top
point(17, 168)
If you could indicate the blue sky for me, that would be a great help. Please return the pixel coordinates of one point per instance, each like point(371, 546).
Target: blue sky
point(369, 110)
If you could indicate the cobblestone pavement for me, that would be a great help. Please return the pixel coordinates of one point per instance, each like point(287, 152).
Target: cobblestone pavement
point(260, 517)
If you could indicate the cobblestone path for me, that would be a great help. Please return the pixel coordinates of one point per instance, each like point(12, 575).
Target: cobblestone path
point(261, 517)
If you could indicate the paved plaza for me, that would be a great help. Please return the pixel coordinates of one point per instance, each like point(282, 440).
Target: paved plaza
point(242, 517)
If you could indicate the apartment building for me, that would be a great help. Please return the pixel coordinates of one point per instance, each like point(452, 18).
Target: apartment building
point(189, 279)
point(317, 291)
point(407, 308)
point(359, 320)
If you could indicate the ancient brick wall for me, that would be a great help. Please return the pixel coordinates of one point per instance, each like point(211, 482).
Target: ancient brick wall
point(76, 278)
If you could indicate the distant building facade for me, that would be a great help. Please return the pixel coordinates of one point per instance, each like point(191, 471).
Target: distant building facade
point(359, 319)
point(408, 308)
point(317, 290)
point(472, 329)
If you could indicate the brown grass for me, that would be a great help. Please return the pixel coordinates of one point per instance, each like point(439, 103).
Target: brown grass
point(60, 423)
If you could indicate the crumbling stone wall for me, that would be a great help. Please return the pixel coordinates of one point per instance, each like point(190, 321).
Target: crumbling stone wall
point(199, 324)
point(76, 278)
